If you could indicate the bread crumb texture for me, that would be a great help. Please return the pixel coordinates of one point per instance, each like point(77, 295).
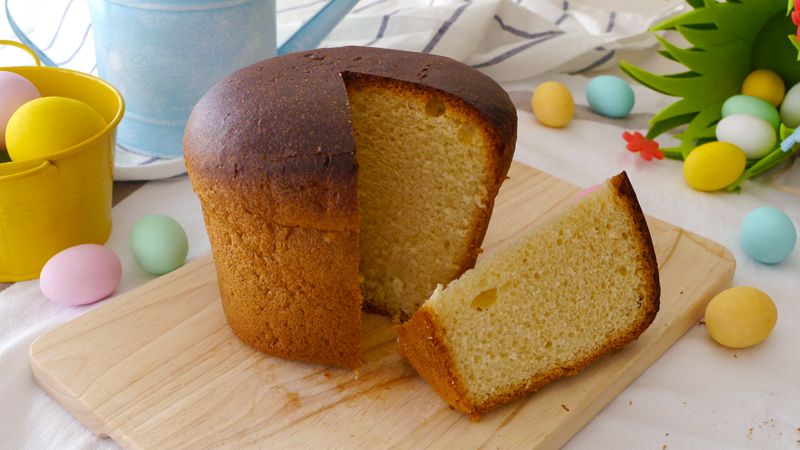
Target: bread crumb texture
point(425, 162)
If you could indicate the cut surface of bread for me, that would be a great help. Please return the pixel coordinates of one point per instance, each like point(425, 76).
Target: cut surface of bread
point(542, 308)
point(425, 161)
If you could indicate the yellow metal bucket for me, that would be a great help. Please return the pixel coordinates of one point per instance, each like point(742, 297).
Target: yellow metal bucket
point(47, 205)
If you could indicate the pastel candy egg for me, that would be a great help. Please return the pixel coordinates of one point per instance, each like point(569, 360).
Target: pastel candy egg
point(80, 275)
point(159, 244)
point(15, 91)
point(740, 317)
point(752, 106)
point(553, 105)
point(47, 125)
point(752, 135)
point(713, 166)
point(790, 108)
point(764, 84)
point(768, 235)
point(610, 96)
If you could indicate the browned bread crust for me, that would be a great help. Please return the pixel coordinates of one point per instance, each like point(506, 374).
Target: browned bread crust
point(423, 342)
point(271, 155)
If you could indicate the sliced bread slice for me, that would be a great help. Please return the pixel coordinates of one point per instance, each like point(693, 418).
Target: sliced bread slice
point(583, 284)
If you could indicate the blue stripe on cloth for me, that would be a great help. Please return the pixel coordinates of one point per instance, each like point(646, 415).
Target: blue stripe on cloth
point(504, 56)
point(149, 161)
point(382, 29)
point(443, 29)
point(58, 28)
point(305, 5)
point(612, 18)
point(80, 46)
point(564, 16)
point(369, 6)
point(597, 63)
point(518, 32)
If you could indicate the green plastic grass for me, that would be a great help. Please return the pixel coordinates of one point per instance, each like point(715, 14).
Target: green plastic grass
point(727, 41)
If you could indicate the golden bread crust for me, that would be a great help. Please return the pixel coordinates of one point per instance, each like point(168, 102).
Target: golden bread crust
point(421, 341)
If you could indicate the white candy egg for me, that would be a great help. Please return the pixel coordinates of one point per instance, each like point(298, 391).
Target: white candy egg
point(752, 134)
point(790, 108)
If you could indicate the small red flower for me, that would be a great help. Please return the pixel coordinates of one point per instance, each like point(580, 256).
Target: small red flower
point(647, 148)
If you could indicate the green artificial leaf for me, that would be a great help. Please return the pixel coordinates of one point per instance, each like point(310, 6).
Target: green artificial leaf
point(793, 40)
point(721, 37)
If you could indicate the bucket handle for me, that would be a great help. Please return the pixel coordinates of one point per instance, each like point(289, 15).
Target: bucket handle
point(27, 44)
point(24, 48)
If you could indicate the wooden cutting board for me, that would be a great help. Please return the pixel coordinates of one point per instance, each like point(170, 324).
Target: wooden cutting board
point(158, 368)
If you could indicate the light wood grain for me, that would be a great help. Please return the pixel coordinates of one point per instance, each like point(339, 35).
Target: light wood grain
point(158, 368)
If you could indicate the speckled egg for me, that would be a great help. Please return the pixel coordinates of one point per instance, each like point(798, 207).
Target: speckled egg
point(754, 136)
point(15, 91)
point(159, 244)
point(610, 96)
point(740, 317)
point(790, 108)
point(712, 166)
point(752, 106)
point(764, 84)
point(768, 235)
point(48, 125)
point(553, 105)
point(81, 275)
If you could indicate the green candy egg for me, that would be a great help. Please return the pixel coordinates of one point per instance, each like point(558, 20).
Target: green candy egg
point(751, 106)
point(159, 244)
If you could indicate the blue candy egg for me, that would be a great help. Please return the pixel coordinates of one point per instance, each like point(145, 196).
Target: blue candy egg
point(768, 235)
point(610, 96)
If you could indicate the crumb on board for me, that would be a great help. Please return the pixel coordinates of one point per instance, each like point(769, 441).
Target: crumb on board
point(565, 407)
point(735, 355)
point(293, 398)
point(630, 402)
point(701, 322)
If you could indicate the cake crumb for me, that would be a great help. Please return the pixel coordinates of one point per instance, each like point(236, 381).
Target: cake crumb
point(630, 402)
point(328, 375)
point(701, 322)
point(685, 402)
point(681, 292)
point(750, 433)
point(664, 447)
point(565, 407)
point(735, 356)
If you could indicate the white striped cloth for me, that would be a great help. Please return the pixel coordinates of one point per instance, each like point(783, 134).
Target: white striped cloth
point(508, 40)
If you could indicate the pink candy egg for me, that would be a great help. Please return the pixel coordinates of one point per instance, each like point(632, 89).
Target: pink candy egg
point(15, 91)
point(81, 275)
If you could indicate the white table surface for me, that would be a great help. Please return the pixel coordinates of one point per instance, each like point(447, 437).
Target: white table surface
point(697, 395)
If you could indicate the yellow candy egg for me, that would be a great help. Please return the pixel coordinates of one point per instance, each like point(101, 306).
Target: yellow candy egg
point(765, 84)
point(553, 104)
point(47, 125)
point(740, 317)
point(713, 166)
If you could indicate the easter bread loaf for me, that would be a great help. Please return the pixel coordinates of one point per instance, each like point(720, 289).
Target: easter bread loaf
point(542, 308)
point(336, 177)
